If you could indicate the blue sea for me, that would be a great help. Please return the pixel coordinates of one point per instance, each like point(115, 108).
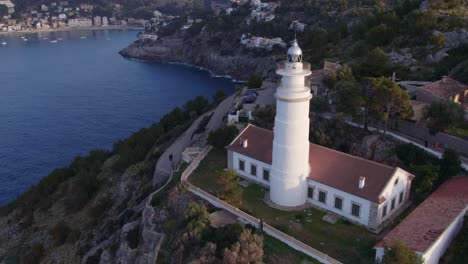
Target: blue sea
point(63, 94)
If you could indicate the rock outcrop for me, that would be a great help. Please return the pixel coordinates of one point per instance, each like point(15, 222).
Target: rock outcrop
point(199, 53)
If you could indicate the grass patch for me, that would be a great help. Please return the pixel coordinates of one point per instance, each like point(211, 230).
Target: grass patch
point(343, 241)
point(205, 175)
point(276, 251)
point(460, 131)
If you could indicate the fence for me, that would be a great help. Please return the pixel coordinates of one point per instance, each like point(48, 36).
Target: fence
point(195, 163)
point(270, 230)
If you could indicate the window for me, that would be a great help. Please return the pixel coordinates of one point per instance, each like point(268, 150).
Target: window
point(322, 196)
point(393, 204)
point(396, 181)
point(266, 175)
point(241, 165)
point(253, 170)
point(384, 212)
point(310, 192)
point(338, 203)
point(355, 209)
point(401, 198)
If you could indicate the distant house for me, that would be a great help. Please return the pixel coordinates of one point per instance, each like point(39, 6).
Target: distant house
point(318, 77)
point(445, 89)
point(430, 228)
point(80, 22)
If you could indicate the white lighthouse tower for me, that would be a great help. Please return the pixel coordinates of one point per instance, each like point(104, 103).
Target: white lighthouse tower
point(290, 165)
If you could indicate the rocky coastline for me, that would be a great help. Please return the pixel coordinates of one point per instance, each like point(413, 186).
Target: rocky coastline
point(199, 53)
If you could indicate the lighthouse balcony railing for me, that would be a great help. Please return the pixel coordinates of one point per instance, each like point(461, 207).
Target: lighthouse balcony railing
point(282, 65)
point(307, 83)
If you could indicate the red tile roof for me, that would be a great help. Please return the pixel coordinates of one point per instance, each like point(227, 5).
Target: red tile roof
point(330, 167)
point(444, 88)
point(427, 222)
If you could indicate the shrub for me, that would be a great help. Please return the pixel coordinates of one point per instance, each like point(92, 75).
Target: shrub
point(221, 137)
point(219, 96)
point(34, 255)
point(133, 237)
point(230, 191)
point(443, 115)
point(410, 154)
point(59, 232)
point(400, 253)
point(450, 164)
point(255, 81)
point(380, 35)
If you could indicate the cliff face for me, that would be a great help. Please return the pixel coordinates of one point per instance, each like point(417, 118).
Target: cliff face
point(200, 53)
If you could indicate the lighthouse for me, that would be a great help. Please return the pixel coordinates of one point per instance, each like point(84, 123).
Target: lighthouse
point(290, 158)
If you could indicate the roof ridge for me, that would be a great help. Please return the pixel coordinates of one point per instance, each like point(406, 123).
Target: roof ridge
point(356, 157)
point(337, 151)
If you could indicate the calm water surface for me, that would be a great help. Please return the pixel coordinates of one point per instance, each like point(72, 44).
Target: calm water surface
point(59, 100)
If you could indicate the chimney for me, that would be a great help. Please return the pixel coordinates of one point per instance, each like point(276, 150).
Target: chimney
point(444, 78)
point(245, 143)
point(362, 182)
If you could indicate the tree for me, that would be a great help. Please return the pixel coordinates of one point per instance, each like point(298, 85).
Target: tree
point(391, 102)
point(443, 115)
point(264, 116)
point(255, 81)
point(345, 73)
point(380, 35)
point(197, 105)
point(421, 22)
point(375, 63)
point(347, 96)
point(221, 137)
point(219, 96)
point(249, 249)
point(425, 176)
point(319, 134)
point(450, 164)
point(197, 217)
point(230, 191)
point(207, 255)
point(318, 104)
point(399, 253)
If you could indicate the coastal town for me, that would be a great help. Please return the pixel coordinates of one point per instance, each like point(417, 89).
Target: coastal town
point(60, 15)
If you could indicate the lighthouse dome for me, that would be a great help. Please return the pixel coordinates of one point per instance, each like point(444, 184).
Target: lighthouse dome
point(294, 53)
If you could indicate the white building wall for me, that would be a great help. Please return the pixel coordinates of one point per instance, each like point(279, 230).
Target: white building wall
point(392, 191)
point(437, 250)
point(363, 218)
point(246, 172)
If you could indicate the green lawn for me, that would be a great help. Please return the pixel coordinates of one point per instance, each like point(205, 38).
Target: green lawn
point(343, 241)
point(460, 131)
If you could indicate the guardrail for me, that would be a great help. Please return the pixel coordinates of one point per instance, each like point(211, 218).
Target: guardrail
point(307, 83)
point(194, 164)
point(270, 230)
point(282, 65)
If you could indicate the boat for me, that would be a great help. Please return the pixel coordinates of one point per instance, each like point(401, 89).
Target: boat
point(60, 39)
point(4, 43)
point(53, 41)
point(82, 37)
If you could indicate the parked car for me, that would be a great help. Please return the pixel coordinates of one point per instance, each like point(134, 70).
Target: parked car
point(249, 99)
point(250, 92)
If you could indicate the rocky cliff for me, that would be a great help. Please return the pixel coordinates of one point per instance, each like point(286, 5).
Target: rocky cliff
point(198, 52)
